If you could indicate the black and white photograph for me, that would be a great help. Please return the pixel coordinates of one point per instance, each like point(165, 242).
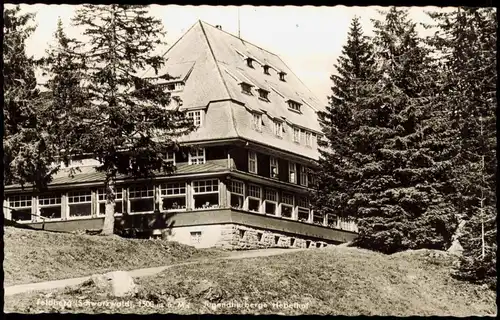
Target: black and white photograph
point(249, 160)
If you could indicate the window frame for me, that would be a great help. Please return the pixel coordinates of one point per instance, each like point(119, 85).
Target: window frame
point(246, 88)
point(59, 204)
point(296, 135)
point(290, 171)
point(308, 139)
point(250, 160)
point(22, 198)
point(275, 165)
point(251, 188)
point(169, 159)
point(119, 198)
point(283, 203)
point(214, 184)
point(196, 116)
point(257, 121)
point(142, 188)
point(278, 128)
point(303, 176)
point(69, 203)
point(275, 202)
point(234, 190)
point(164, 187)
point(197, 157)
point(300, 205)
point(263, 94)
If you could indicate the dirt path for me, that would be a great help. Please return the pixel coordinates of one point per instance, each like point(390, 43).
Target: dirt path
point(137, 273)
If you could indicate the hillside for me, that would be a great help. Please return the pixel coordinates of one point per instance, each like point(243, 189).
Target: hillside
point(32, 256)
point(335, 281)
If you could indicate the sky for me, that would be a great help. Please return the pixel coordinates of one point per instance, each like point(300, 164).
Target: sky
point(308, 39)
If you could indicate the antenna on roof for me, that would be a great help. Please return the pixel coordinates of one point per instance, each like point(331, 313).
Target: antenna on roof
point(239, 23)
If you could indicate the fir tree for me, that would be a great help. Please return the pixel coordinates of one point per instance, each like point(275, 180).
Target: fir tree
point(337, 174)
point(127, 124)
point(466, 40)
point(28, 155)
point(403, 195)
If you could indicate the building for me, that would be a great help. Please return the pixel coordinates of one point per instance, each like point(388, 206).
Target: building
point(246, 184)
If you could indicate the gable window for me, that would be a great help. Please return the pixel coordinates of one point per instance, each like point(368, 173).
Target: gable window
point(257, 122)
point(254, 197)
point(308, 139)
point(206, 193)
point(22, 205)
point(50, 206)
point(263, 94)
point(303, 176)
point(196, 156)
point(195, 116)
point(246, 88)
point(141, 199)
point(250, 62)
point(237, 194)
point(252, 162)
point(274, 168)
point(303, 209)
point(296, 135)
point(282, 75)
point(293, 105)
point(101, 201)
point(80, 203)
point(266, 70)
point(173, 196)
point(278, 128)
point(286, 205)
point(292, 172)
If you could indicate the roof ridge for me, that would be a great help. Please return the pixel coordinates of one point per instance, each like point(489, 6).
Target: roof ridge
point(274, 54)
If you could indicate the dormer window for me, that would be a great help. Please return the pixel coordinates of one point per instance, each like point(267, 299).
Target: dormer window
point(246, 88)
point(249, 62)
point(264, 94)
point(282, 76)
point(266, 70)
point(294, 105)
point(257, 122)
point(175, 86)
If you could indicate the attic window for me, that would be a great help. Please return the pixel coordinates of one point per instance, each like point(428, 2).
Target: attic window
point(264, 94)
point(175, 86)
point(246, 88)
point(266, 70)
point(249, 62)
point(294, 105)
point(282, 76)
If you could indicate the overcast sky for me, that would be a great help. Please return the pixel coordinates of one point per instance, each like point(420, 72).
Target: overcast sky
point(308, 39)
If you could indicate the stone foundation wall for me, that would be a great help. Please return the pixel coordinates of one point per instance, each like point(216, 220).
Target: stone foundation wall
point(243, 237)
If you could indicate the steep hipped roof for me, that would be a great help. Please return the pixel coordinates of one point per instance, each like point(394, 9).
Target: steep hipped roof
point(213, 64)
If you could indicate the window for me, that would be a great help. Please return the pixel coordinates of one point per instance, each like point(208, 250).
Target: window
point(286, 205)
point(173, 196)
point(195, 116)
point(296, 135)
point(274, 168)
point(282, 75)
point(141, 199)
point(237, 194)
point(101, 199)
point(266, 70)
point(254, 196)
point(303, 209)
point(197, 156)
point(278, 128)
point(195, 237)
point(303, 176)
point(271, 201)
point(249, 62)
point(257, 122)
point(206, 193)
point(332, 221)
point(264, 94)
point(252, 161)
point(169, 158)
point(308, 139)
point(175, 86)
point(50, 206)
point(80, 203)
point(302, 135)
point(317, 218)
point(22, 205)
point(246, 88)
point(294, 105)
point(292, 172)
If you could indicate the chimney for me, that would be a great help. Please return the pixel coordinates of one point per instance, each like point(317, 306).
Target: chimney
point(219, 27)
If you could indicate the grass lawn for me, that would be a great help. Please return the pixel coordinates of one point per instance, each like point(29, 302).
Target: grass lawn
point(33, 256)
point(334, 281)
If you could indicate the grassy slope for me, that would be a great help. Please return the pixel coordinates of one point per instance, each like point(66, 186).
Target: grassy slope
point(338, 281)
point(32, 256)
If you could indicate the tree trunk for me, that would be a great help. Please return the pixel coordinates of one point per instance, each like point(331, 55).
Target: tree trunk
point(109, 218)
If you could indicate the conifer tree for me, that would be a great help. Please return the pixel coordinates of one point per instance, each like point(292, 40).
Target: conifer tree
point(28, 155)
point(466, 40)
point(403, 193)
point(337, 173)
point(127, 124)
